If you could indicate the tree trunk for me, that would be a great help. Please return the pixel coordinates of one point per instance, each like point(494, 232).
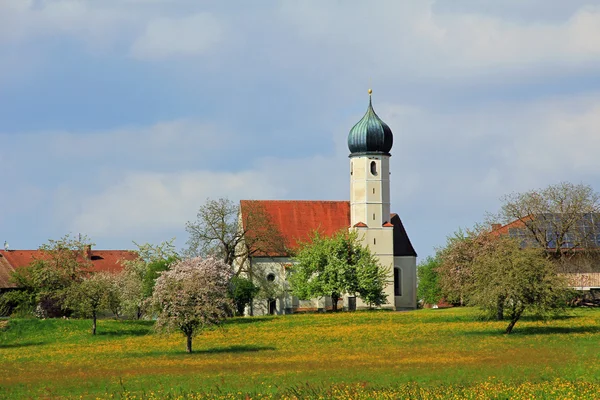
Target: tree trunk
point(513, 320)
point(334, 301)
point(93, 322)
point(500, 309)
point(189, 343)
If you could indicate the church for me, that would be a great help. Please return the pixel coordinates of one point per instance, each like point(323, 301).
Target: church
point(368, 212)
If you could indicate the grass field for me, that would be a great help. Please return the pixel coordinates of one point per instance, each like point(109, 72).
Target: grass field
point(425, 353)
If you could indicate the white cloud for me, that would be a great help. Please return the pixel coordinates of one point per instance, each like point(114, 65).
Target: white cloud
point(168, 37)
point(171, 143)
point(412, 37)
point(143, 202)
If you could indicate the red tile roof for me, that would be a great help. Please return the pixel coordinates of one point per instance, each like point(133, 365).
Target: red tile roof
point(503, 229)
point(360, 225)
point(298, 219)
point(5, 272)
point(102, 260)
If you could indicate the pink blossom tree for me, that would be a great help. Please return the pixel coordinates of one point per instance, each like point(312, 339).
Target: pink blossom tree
point(192, 296)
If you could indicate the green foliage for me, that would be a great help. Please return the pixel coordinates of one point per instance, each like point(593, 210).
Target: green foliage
point(429, 290)
point(242, 291)
point(47, 280)
point(153, 270)
point(19, 303)
point(512, 279)
point(332, 266)
point(138, 277)
point(92, 295)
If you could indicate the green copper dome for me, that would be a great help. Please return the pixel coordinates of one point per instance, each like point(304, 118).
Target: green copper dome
point(370, 135)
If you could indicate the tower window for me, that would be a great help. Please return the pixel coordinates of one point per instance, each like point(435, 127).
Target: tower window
point(373, 216)
point(374, 241)
point(373, 190)
point(351, 168)
point(373, 168)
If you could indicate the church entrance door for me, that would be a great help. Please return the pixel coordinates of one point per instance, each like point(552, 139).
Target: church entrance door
point(272, 306)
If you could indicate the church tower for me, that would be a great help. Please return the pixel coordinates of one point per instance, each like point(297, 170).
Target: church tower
point(370, 142)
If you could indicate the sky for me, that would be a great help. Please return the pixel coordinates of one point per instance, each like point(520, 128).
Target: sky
point(119, 118)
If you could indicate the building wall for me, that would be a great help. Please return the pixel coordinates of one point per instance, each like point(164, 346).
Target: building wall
point(408, 278)
point(278, 289)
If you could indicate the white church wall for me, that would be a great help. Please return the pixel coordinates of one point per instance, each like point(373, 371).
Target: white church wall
point(276, 290)
point(408, 278)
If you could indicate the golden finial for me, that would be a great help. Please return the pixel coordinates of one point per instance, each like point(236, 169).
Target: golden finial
point(370, 91)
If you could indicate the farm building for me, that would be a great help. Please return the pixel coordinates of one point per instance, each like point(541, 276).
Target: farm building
point(100, 260)
point(578, 242)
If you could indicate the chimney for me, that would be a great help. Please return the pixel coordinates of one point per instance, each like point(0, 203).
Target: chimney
point(495, 227)
point(87, 252)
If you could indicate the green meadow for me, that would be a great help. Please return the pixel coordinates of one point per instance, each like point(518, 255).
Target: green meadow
point(449, 353)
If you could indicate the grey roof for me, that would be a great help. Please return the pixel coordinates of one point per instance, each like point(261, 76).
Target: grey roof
point(402, 244)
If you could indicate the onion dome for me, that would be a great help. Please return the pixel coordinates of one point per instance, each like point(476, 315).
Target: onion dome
point(370, 135)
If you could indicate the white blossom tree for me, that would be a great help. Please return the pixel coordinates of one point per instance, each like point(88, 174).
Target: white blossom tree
point(192, 295)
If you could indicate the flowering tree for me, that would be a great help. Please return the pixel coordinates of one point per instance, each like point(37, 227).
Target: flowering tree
point(192, 295)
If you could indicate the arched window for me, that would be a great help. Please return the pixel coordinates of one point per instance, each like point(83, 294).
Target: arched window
point(373, 168)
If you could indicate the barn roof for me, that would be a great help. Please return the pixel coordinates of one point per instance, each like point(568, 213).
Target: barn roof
point(101, 261)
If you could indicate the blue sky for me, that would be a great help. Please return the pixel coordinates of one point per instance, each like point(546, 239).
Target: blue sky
point(118, 118)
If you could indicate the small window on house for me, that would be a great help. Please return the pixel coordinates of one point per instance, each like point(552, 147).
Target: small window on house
point(271, 277)
point(397, 282)
point(374, 241)
point(373, 168)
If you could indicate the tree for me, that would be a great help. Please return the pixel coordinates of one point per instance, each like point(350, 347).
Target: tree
point(192, 295)
point(222, 231)
point(242, 292)
point(558, 218)
point(455, 270)
point(332, 266)
point(521, 278)
point(48, 278)
point(92, 295)
point(138, 277)
point(456, 258)
point(429, 290)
